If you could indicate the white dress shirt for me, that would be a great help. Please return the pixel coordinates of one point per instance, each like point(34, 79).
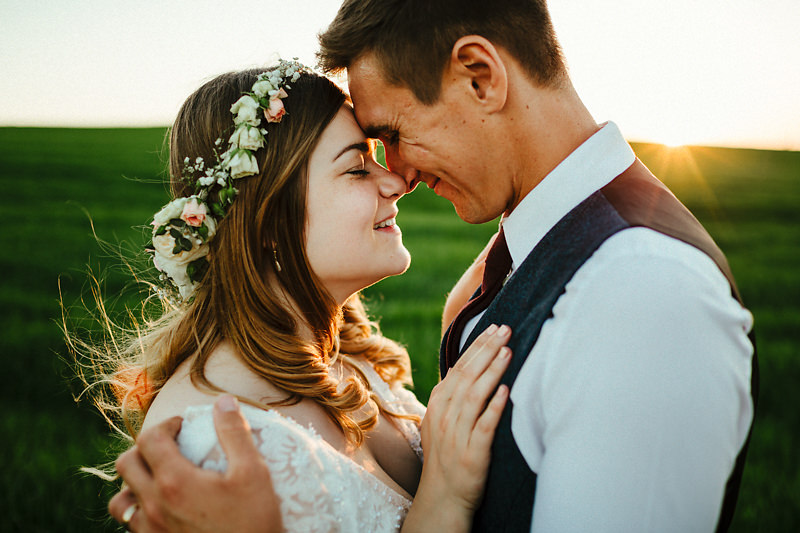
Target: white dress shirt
point(633, 404)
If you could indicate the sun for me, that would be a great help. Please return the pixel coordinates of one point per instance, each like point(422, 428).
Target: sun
point(673, 135)
point(673, 141)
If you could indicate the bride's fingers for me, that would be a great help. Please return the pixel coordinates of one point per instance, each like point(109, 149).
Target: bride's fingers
point(479, 394)
point(474, 361)
point(474, 387)
point(483, 434)
point(476, 357)
point(444, 416)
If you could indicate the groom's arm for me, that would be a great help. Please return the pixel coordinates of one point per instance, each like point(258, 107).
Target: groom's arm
point(174, 495)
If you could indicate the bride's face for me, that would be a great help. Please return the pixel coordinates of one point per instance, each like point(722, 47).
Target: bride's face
point(352, 240)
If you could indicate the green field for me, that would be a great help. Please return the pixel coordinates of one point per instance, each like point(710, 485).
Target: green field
point(51, 179)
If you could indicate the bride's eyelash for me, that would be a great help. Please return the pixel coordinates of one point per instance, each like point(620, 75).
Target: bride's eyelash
point(359, 172)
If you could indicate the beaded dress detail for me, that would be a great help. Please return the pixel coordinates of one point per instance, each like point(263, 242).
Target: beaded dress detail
point(321, 489)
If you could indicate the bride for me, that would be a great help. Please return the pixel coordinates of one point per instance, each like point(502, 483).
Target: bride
point(280, 216)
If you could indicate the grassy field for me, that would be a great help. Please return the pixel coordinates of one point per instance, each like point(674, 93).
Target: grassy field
point(51, 179)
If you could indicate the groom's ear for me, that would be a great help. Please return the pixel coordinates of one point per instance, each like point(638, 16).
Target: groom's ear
point(476, 65)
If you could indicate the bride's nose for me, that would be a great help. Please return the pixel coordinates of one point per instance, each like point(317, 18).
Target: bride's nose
point(391, 185)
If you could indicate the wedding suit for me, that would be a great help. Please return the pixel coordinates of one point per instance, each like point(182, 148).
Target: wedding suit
point(634, 378)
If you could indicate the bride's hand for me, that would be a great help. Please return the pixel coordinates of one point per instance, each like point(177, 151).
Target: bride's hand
point(457, 434)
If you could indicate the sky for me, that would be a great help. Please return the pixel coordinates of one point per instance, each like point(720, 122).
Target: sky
point(711, 72)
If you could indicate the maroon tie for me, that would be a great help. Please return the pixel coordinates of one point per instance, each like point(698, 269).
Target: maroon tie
point(498, 263)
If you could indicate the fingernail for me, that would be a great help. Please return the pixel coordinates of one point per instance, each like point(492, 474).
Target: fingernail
point(504, 353)
point(503, 331)
point(491, 329)
point(227, 403)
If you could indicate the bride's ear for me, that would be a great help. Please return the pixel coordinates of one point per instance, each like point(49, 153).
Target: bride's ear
point(476, 64)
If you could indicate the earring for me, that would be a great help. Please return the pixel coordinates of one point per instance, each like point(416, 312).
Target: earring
point(275, 260)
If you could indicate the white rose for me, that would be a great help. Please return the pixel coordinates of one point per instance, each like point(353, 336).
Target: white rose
point(177, 273)
point(262, 87)
point(248, 138)
point(174, 265)
point(165, 243)
point(246, 111)
point(169, 211)
point(242, 164)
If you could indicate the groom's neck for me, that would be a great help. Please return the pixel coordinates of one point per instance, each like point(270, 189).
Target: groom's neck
point(547, 124)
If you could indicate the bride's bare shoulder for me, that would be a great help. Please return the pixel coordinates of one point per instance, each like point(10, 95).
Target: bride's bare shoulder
point(225, 370)
point(175, 396)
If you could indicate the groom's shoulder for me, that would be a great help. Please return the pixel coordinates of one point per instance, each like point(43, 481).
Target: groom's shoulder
point(648, 259)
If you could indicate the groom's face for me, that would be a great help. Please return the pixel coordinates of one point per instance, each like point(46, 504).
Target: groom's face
point(444, 144)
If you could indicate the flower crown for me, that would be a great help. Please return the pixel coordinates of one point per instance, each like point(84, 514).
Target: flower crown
point(183, 228)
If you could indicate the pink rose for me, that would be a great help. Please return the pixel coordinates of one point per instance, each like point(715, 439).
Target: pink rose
point(194, 213)
point(275, 111)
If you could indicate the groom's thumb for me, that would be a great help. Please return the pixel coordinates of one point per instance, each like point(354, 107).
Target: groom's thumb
point(234, 435)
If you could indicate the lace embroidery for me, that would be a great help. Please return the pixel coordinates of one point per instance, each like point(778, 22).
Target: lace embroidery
point(320, 489)
point(398, 400)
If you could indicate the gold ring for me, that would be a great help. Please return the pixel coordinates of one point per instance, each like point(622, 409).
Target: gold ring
point(127, 516)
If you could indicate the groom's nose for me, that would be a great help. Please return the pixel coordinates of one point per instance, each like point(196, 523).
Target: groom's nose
point(398, 165)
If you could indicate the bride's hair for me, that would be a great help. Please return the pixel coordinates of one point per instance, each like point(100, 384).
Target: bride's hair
point(243, 298)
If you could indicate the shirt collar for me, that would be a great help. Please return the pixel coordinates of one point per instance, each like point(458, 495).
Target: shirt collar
point(601, 158)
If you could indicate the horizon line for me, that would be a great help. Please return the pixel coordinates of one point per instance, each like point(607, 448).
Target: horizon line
point(773, 147)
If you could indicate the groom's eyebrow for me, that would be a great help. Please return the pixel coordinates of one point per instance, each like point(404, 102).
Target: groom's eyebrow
point(362, 147)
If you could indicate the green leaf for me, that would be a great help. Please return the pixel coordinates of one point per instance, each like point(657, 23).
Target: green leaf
point(217, 209)
point(202, 230)
point(197, 269)
point(185, 243)
point(175, 234)
point(161, 230)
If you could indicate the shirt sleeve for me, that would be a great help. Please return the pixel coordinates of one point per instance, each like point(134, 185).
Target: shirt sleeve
point(635, 402)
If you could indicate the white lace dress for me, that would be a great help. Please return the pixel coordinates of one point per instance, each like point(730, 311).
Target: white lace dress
point(321, 490)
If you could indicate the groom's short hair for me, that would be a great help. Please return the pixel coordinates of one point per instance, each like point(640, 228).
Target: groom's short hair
point(412, 39)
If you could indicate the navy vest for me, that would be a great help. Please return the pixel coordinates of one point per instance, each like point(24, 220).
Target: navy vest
point(634, 198)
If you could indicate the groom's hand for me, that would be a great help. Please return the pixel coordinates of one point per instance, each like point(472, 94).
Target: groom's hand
point(174, 495)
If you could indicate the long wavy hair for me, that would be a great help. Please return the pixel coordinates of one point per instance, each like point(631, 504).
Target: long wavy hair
point(243, 298)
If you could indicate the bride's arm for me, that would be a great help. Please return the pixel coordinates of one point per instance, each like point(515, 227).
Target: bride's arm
point(465, 287)
point(457, 434)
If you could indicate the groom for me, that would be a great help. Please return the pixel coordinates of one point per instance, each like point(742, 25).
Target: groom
point(633, 381)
